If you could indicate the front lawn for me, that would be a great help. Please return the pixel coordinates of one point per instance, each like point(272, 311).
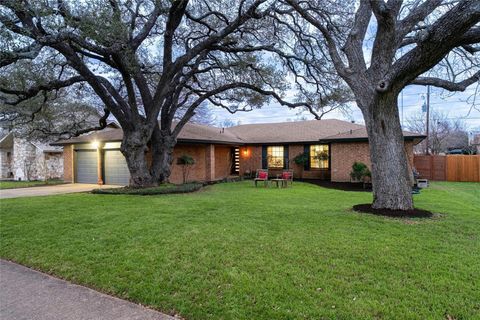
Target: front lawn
point(8, 184)
point(232, 251)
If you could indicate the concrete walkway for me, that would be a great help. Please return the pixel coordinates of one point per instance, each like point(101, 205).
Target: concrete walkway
point(28, 294)
point(50, 190)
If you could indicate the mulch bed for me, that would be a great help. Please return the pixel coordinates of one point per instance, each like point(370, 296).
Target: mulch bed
point(415, 213)
point(344, 186)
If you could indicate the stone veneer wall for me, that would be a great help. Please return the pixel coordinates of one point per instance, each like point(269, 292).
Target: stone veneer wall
point(6, 163)
point(26, 164)
point(31, 163)
point(54, 165)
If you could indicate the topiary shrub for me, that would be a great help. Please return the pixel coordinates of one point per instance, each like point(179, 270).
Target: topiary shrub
point(186, 162)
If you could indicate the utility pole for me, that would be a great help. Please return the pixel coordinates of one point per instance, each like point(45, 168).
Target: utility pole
point(428, 120)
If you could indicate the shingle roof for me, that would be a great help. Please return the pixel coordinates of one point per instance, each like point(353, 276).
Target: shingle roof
point(284, 132)
point(298, 131)
point(191, 132)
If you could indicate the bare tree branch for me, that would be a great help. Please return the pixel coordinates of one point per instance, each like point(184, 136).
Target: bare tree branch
point(448, 85)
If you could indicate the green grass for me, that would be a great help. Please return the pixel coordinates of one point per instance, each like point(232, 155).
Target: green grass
point(232, 251)
point(27, 184)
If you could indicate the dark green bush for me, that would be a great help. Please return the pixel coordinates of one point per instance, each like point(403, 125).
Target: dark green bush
point(163, 189)
point(301, 159)
point(360, 171)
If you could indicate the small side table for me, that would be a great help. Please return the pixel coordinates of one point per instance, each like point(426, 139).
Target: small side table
point(284, 182)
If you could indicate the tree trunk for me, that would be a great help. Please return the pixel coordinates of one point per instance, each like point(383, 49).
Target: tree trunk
point(162, 145)
point(134, 148)
point(390, 174)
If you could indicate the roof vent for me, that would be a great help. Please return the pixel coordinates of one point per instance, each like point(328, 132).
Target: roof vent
point(353, 121)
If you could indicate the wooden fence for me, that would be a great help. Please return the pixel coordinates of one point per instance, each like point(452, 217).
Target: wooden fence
point(449, 168)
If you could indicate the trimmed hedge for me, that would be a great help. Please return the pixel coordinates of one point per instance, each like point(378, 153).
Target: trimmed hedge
point(163, 189)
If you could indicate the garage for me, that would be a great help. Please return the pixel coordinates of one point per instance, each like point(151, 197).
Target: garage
point(116, 170)
point(86, 166)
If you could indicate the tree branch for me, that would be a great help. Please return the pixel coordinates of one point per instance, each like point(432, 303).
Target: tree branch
point(448, 85)
point(332, 46)
point(31, 92)
point(29, 52)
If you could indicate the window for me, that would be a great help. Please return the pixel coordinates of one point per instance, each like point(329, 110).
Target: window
point(275, 156)
point(319, 156)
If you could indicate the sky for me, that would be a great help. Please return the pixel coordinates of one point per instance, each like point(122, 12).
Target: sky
point(456, 106)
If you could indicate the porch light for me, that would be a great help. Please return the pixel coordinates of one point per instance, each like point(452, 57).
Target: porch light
point(245, 152)
point(95, 144)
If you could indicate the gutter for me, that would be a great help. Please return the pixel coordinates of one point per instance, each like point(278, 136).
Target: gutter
point(365, 139)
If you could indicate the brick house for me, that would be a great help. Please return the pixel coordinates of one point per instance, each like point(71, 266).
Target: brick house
point(22, 159)
point(330, 145)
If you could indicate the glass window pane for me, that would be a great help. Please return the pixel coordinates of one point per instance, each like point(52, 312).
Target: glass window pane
point(275, 156)
point(319, 156)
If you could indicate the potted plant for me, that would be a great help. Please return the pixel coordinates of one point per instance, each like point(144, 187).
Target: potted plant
point(301, 160)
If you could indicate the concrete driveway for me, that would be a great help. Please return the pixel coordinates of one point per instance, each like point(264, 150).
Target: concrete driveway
point(29, 294)
point(51, 190)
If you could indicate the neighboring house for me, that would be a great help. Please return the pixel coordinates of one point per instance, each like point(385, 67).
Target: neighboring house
point(21, 159)
point(223, 152)
point(476, 143)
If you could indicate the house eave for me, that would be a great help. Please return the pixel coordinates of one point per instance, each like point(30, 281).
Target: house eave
point(180, 141)
point(416, 139)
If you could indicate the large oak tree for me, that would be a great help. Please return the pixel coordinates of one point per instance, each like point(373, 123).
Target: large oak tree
point(152, 63)
point(378, 47)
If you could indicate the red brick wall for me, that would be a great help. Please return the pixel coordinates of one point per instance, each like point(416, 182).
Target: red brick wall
point(343, 155)
point(68, 163)
point(204, 169)
point(197, 171)
point(223, 162)
point(250, 159)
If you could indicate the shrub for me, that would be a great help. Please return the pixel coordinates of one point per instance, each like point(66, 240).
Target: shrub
point(301, 159)
point(186, 162)
point(360, 171)
point(162, 189)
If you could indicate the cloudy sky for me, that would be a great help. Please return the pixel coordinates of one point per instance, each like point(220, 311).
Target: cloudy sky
point(455, 106)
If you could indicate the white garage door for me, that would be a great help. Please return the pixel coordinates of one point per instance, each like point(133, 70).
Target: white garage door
point(86, 166)
point(116, 170)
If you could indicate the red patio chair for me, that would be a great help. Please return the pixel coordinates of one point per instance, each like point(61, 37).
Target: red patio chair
point(287, 175)
point(262, 175)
